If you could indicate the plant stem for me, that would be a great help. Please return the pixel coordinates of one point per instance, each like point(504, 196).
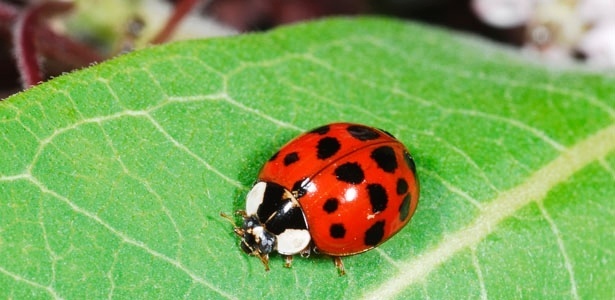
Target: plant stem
point(182, 8)
point(23, 38)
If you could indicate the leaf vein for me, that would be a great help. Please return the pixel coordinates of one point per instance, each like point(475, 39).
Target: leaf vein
point(127, 239)
point(562, 248)
point(29, 282)
point(479, 274)
point(507, 81)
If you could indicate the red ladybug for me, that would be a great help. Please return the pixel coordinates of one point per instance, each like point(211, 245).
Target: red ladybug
point(340, 189)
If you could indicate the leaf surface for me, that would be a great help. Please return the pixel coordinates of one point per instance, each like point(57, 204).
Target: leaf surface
point(112, 178)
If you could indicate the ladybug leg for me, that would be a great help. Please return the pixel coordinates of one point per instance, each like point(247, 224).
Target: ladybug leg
point(264, 259)
point(305, 253)
point(337, 260)
point(288, 260)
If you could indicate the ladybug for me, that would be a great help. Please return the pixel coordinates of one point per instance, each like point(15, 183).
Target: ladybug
point(340, 189)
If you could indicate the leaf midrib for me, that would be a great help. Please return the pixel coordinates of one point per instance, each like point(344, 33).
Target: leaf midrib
point(534, 189)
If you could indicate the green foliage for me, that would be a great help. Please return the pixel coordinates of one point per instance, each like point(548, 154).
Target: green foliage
point(112, 178)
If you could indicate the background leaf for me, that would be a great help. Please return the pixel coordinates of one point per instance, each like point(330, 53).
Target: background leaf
point(112, 178)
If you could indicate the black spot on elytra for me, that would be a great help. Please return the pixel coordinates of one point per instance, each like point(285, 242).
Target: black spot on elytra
point(362, 133)
point(291, 158)
point(410, 162)
point(385, 158)
point(377, 197)
point(374, 235)
point(350, 172)
point(337, 231)
point(300, 187)
point(404, 208)
point(330, 205)
point(327, 147)
point(274, 156)
point(402, 186)
point(321, 130)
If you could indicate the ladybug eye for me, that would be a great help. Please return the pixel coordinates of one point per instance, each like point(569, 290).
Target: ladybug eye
point(250, 222)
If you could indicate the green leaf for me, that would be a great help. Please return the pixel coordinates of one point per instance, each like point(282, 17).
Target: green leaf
point(112, 178)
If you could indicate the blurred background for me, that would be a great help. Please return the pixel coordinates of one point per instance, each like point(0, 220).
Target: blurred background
point(42, 39)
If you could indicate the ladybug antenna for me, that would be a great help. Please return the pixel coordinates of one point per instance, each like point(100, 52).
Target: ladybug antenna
point(229, 218)
point(236, 229)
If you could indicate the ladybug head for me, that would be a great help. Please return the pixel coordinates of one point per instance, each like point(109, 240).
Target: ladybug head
point(273, 220)
point(255, 239)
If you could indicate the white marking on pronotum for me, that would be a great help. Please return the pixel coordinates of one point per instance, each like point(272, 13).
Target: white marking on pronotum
point(292, 241)
point(255, 198)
